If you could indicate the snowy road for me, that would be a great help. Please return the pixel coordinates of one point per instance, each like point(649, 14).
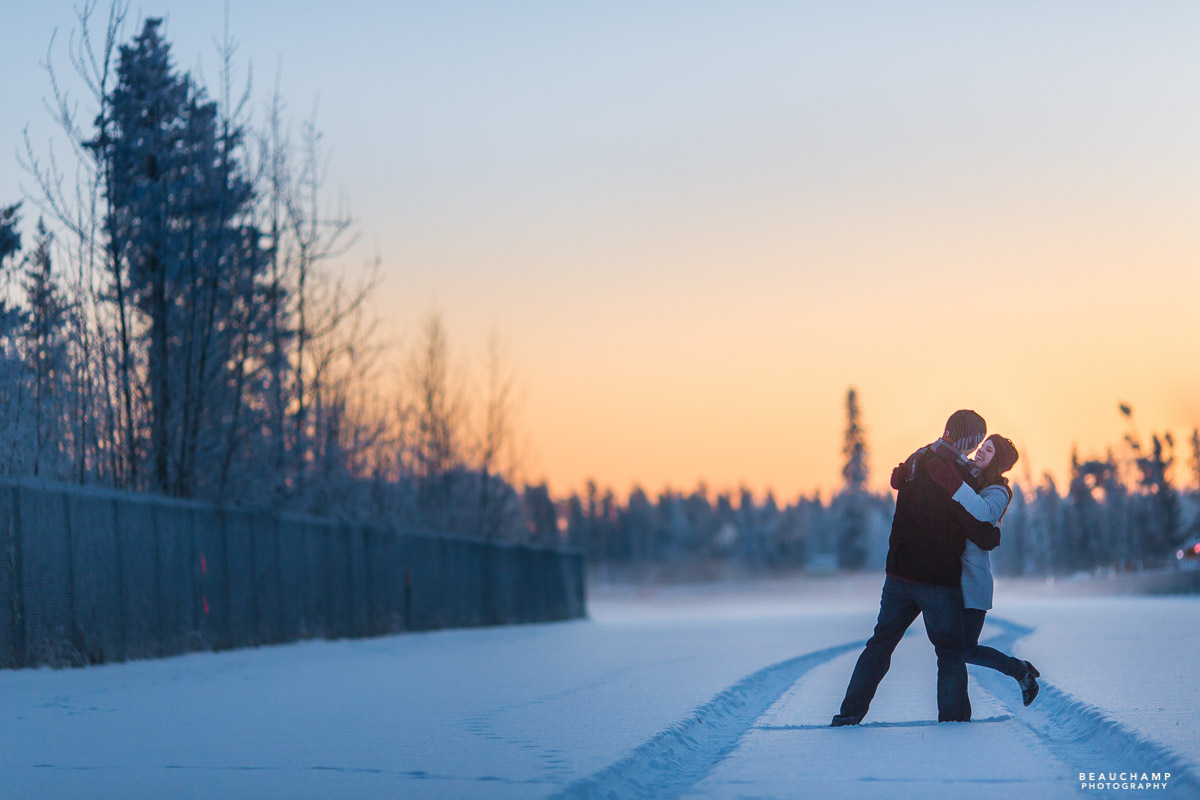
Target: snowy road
point(721, 693)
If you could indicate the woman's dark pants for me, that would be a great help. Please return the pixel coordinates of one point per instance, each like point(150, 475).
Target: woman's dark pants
point(901, 602)
point(984, 656)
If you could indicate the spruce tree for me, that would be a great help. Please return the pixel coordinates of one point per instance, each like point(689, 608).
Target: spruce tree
point(47, 358)
point(851, 504)
point(854, 447)
point(186, 262)
point(10, 237)
point(1195, 459)
point(14, 434)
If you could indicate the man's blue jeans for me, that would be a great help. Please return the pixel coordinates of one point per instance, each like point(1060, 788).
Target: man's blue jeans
point(902, 601)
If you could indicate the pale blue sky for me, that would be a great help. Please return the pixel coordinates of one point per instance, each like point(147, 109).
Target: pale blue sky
point(697, 223)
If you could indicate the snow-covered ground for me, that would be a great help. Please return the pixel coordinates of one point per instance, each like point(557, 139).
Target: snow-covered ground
point(715, 692)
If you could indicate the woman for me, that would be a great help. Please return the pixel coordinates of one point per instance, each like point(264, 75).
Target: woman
point(994, 457)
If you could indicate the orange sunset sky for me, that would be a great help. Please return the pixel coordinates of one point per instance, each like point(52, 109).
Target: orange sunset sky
point(697, 224)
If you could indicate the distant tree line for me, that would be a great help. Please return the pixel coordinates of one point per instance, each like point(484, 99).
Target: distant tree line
point(1119, 513)
point(180, 322)
point(700, 533)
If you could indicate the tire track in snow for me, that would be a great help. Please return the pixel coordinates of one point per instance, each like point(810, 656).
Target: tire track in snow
point(1079, 734)
point(554, 761)
point(678, 757)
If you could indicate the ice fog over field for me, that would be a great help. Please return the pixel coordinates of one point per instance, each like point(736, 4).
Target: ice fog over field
point(719, 691)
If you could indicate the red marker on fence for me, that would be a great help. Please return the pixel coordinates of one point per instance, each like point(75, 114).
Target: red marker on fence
point(204, 571)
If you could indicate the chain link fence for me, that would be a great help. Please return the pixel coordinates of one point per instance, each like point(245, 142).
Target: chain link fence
point(92, 576)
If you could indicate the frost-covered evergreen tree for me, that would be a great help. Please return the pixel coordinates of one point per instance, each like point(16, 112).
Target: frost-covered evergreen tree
point(14, 428)
point(141, 144)
point(47, 360)
point(1194, 461)
point(185, 268)
point(1088, 530)
point(854, 446)
point(702, 521)
point(638, 528)
point(1161, 502)
point(1155, 515)
point(34, 419)
point(10, 236)
point(1052, 551)
point(676, 535)
point(542, 516)
point(850, 507)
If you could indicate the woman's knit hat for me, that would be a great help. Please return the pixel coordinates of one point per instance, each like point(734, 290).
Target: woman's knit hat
point(965, 430)
point(1006, 452)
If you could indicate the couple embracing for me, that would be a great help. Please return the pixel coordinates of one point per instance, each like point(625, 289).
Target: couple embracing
point(948, 511)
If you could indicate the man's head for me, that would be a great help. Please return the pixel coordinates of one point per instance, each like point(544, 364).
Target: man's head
point(965, 430)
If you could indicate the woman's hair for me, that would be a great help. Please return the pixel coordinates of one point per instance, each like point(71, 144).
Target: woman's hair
point(991, 475)
point(1004, 460)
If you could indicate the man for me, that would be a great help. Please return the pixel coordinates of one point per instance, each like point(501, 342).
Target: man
point(924, 576)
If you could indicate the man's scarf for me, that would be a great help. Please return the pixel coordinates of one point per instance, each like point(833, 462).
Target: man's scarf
point(942, 448)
